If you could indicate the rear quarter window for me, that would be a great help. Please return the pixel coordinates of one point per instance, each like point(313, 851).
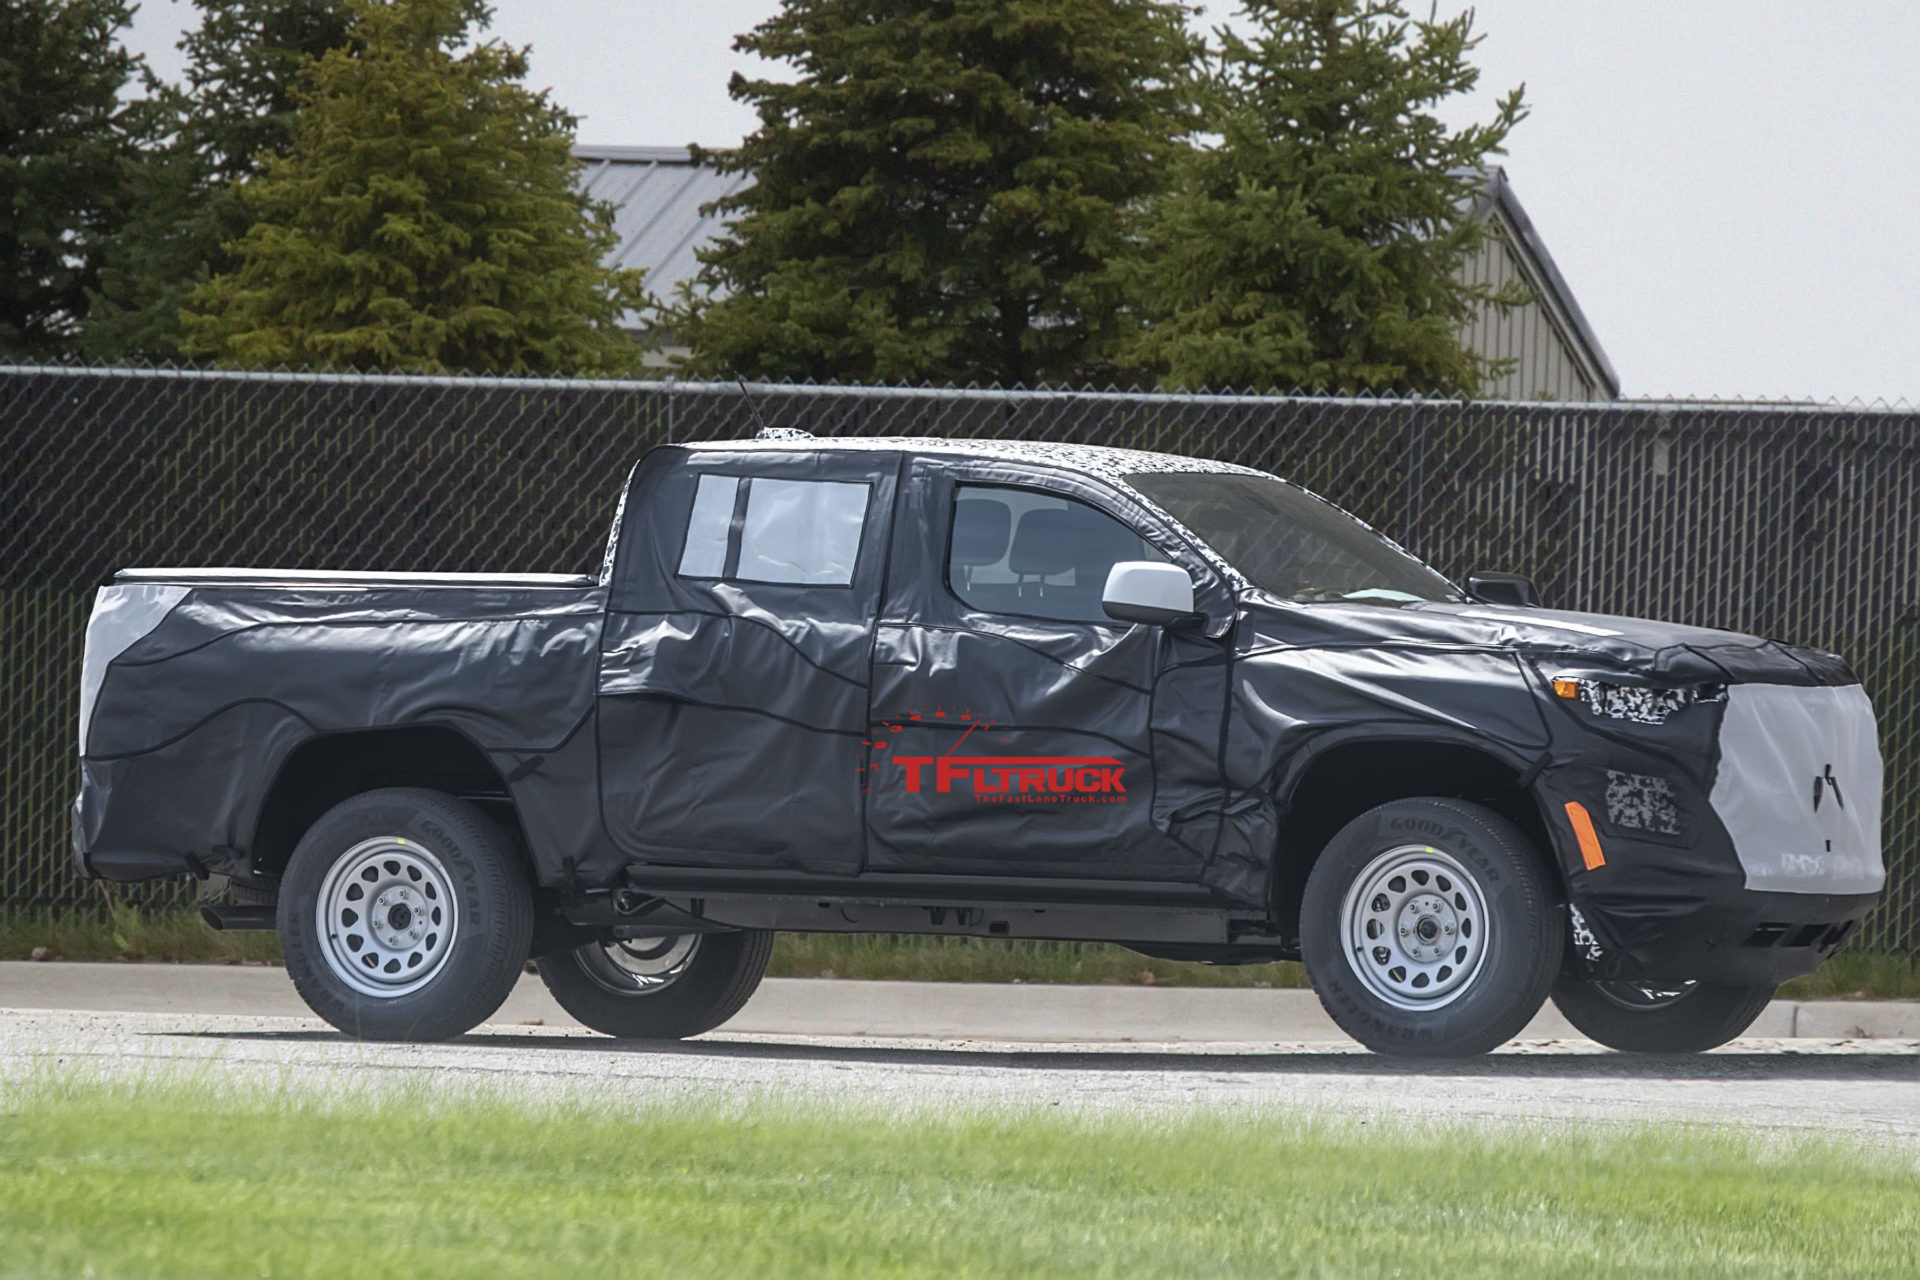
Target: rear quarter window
point(760, 529)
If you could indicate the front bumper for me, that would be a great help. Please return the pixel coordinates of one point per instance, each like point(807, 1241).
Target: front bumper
point(1747, 938)
point(1737, 842)
point(1674, 905)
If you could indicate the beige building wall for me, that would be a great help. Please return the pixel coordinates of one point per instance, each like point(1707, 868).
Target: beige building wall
point(1547, 364)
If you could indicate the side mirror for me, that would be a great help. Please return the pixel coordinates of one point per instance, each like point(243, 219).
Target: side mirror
point(1148, 591)
point(1501, 588)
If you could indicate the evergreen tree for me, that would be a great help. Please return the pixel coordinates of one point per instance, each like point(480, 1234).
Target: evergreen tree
point(1318, 246)
point(942, 193)
point(237, 107)
point(67, 143)
point(426, 218)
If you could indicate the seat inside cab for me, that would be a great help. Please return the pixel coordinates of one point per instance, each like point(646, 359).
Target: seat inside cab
point(1021, 551)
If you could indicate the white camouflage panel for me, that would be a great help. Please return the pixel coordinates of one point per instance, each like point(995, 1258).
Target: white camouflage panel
point(1799, 788)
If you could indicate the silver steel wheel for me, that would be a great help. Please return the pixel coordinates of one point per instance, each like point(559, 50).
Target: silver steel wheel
point(387, 917)
point(1640, 998)
point(639, 966)
point(1414, 922)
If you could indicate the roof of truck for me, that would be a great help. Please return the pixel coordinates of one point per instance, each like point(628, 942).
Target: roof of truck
point(1098, 460)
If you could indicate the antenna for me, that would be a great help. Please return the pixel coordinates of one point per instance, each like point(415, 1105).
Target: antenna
point(766, 432)
point(752, 405)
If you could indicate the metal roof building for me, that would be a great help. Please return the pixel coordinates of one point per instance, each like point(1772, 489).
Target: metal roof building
point(1556, 355)
point(657, 194)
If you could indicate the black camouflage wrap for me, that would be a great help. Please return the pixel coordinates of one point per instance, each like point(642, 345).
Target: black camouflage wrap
point(653, 720)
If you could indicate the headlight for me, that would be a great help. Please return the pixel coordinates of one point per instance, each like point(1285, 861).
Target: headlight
point(1637, 703)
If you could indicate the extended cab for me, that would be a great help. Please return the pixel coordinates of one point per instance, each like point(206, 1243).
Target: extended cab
point(1009, 690)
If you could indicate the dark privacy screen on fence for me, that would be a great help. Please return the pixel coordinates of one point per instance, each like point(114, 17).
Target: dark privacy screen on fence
point(1796, 522)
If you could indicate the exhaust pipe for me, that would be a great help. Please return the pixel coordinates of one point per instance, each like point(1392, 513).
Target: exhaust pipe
point(228, 919)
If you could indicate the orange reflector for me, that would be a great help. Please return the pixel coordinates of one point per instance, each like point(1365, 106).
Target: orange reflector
point(1566, 686)
point(1583, 832)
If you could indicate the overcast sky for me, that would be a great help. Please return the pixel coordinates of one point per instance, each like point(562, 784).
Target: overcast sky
point(1732, 190)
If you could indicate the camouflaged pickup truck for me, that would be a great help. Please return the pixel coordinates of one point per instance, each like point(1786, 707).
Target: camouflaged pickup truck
point(986, 689)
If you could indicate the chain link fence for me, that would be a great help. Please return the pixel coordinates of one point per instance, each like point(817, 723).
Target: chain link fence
point(1792, 521)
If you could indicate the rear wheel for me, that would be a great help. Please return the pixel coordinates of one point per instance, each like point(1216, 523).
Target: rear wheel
point(1427, 929)
point(659, 988)
point(1686, 1017)
point(405, 914)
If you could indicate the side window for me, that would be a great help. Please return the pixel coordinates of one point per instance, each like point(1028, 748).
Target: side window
point(1025, 552)
point(705, 555)
point(758, 529)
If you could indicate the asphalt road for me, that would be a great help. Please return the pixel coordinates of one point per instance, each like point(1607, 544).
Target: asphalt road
point(904, 1047)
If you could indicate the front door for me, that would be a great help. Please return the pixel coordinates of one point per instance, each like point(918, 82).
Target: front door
point(734, 671)
point(1017, 731)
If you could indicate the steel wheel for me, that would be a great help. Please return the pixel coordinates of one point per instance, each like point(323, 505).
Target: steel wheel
point(629, 966)
point(405, 914)
point(1428, 928)
point(659, 988)
point(386, 916)
point(1415, 925)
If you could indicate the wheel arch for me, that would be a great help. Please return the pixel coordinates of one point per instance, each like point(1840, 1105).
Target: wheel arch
point(331, 767)
point(1348, 774)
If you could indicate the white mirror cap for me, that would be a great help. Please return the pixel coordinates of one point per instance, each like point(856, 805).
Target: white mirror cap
point(1148, 591)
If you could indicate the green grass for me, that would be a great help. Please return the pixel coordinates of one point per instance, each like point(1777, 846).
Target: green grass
point(121, 932)
point(162, 1179)
point(1859, 975)
point(127, 933)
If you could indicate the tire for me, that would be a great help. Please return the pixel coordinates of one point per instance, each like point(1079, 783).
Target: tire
point(1635, 1018)
point(1429, 929)
point(659, 988)
point(453, 936)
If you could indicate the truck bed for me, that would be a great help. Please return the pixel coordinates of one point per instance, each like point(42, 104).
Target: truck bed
point(343, 578)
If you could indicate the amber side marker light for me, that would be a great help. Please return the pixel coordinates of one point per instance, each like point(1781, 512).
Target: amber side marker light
point(1583, 832)
point(1566, 686)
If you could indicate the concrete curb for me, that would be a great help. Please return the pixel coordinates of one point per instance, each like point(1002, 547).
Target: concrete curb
point(1853, 1019)
point(847, 1007)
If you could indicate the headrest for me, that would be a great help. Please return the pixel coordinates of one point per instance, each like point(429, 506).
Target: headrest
point(1044, 543)
point(1087, 541)
point(980, 529)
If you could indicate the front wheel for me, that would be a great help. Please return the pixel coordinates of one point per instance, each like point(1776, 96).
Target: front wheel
point(1428, 929)
point(1685, 1017)
point(659, 988)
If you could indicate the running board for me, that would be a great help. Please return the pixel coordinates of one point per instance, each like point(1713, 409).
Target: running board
point(890, 887)
point(662, 900)
point(983, 920)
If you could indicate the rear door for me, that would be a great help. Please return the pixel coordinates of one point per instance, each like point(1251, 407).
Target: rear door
point(734, 673)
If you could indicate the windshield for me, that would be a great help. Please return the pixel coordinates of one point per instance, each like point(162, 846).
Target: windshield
point(1286, 541)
